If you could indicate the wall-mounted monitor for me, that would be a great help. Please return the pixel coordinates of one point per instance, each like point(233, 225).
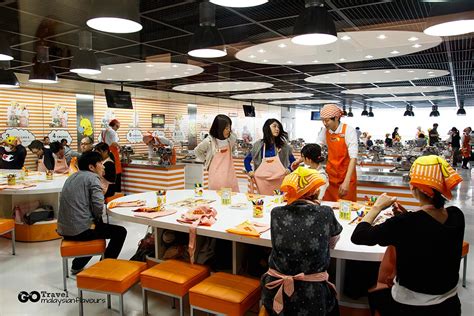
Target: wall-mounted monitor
point(249, 110)
point(315, 116)
point(118, 99)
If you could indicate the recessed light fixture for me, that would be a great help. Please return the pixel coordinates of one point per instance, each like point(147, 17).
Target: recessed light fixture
point(387, 71)
point(416, 78)
point(174, 66)
point(315, 61)
point(364, 73)
point(282, 45)
point(413, 39)
point(289, 62)
point(252, 56)
point(430, 72)
point(149, 65)
point(314, 26)
point(394, 52)
point(207, 41)
point(115, 16)
point(261, 51)
point(342, 59)
point(346, 38)
point(84, 60)
point(110, 68)
point(411, 71)
point(128, 66)
point(369, 56)
point(42, 71)
point(107, 78)
point(239, 3)
point(416, 45)
point(264, 61)
point(451, 28)
point(382, 37)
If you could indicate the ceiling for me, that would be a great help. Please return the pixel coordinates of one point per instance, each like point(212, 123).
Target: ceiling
point(168, 26)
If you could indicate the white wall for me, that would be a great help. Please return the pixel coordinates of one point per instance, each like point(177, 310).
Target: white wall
point(386, 120)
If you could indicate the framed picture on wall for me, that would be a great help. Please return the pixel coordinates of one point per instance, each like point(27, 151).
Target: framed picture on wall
point(157, 120)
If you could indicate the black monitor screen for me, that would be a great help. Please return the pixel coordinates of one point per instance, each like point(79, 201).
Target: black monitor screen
point(315, 116)
point(249, 110)
point(118, 99)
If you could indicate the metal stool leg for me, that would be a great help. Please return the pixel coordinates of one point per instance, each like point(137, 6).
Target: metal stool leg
point(65, 274)
point(13, 242)
point(81, 310)
point(145, 302)
point(109, 304)
point(173, 305)
point(121, 304)
point(181, 309)
point(464, 271)
point(192, 310)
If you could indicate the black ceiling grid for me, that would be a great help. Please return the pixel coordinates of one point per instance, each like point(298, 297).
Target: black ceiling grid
point(168, 26)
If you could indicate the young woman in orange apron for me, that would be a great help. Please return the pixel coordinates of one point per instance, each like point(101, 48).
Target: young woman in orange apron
point(216, 152)
point(275, 155)
point(337, 167)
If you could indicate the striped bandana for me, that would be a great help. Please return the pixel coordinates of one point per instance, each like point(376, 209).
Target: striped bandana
point(330, 111)
point(301, 182)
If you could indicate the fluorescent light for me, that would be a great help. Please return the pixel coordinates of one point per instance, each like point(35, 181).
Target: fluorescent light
point(451, 28)
point(239, 3)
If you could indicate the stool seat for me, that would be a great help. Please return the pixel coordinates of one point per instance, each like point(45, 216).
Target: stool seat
point(465, 248)
point(6, 225)
point(71, 248)
point(110, 275)
point(226, 293)
point(174, 277)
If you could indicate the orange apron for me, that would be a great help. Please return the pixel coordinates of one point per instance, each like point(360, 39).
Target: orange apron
point(60, 165)
point(269, 175)
point(337, 165)
point(115, 152)
point(173, 151)
point(222, 172)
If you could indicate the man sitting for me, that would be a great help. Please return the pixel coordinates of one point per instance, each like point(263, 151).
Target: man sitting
point(81, 207)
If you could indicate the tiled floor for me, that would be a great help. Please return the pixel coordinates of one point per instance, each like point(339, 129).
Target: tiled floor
point(37, 267)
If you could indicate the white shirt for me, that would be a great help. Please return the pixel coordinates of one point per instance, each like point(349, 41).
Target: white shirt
point(350, 138)
point(111, 136)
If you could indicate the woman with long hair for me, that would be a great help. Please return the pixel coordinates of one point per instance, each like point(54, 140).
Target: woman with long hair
point(428, 244)
point(272, 158)
point(110, 175)
point(216, 152)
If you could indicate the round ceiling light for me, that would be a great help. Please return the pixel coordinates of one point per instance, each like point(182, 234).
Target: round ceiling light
point(223, 86)
point(5, 50)
point(115, 16)
point(8, 79)
point(353, 47)
point(451, 28)
point(239, 3)
point(144, 72)
point(398, 90)
point(302, 102)
point(411, 98)
point(42, 71)
point(271, 96)
point(376, 76)
point(314, 26)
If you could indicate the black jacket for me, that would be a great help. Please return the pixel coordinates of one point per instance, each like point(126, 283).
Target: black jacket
point(14, 159)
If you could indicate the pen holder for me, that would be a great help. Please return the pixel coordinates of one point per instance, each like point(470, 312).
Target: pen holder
point(258, 211)
point(345, 210)
point(160, 197)
point(198, 190)
point(11, 179)
point(226, 196)
point(49, 175)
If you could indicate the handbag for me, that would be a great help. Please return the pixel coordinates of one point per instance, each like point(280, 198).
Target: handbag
point(146, 248)
point(45, 213)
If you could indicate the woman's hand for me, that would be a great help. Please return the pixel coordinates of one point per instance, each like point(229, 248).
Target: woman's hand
point(384, 201)
point(296, 163)
point(398, 209)
point(287, 171)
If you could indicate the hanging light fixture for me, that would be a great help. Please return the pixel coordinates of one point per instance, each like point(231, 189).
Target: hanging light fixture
point(434, 111)
point(364, 112)
point(461, 111)
point(239, 3)
point(84, 60)
point(350, 114)
point(344, 112)
point(115, 16)
point(5, 51)
point(407, 111)
point(207, 41)
point(443, 23)
point(371, 114)
point(411, 111)
point(8, 79)
point(42, 71)
point(315, 25)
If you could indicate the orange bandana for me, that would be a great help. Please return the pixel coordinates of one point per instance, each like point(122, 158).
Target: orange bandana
point(301, 182)
point(433, 172)
point(330, 110)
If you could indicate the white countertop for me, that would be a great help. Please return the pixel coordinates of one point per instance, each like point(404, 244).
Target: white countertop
point(43, 186)
point(228, 217)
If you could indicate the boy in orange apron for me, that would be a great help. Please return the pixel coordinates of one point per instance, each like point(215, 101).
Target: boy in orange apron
point(341, 140)
point(110, 137)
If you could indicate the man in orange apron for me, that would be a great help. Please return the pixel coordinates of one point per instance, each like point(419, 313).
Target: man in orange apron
point(341, 141)
point(110, 137)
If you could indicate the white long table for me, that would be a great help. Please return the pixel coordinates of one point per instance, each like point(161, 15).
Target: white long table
point(228, 217)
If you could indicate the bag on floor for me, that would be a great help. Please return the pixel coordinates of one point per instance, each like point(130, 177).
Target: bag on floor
point(146, 247)
point(42, 214)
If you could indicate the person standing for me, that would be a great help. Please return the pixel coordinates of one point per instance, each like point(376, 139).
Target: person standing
point(45, 156)
point(12, 154)
point(216, 152)
point(111, 138)
point(455, 145)
point(434, 135)
point(388, 140)
point(358, 132)
point(341, 140)
point(272, 158)
point(466, 147)
point(155, 142)
point(395, 134)
point(81, 207)
point(60, 163)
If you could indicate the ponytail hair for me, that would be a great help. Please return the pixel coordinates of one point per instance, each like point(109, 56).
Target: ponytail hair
point(438, 200)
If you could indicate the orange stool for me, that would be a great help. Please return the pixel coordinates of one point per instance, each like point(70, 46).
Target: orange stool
point(465, 251)
point(263, 311)
point(171, 278)
point(224, 293)
point(76, 249)
point(7, 226)
point(109, 276)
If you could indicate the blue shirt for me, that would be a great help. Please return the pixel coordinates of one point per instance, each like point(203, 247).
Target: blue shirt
point(269, 152)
